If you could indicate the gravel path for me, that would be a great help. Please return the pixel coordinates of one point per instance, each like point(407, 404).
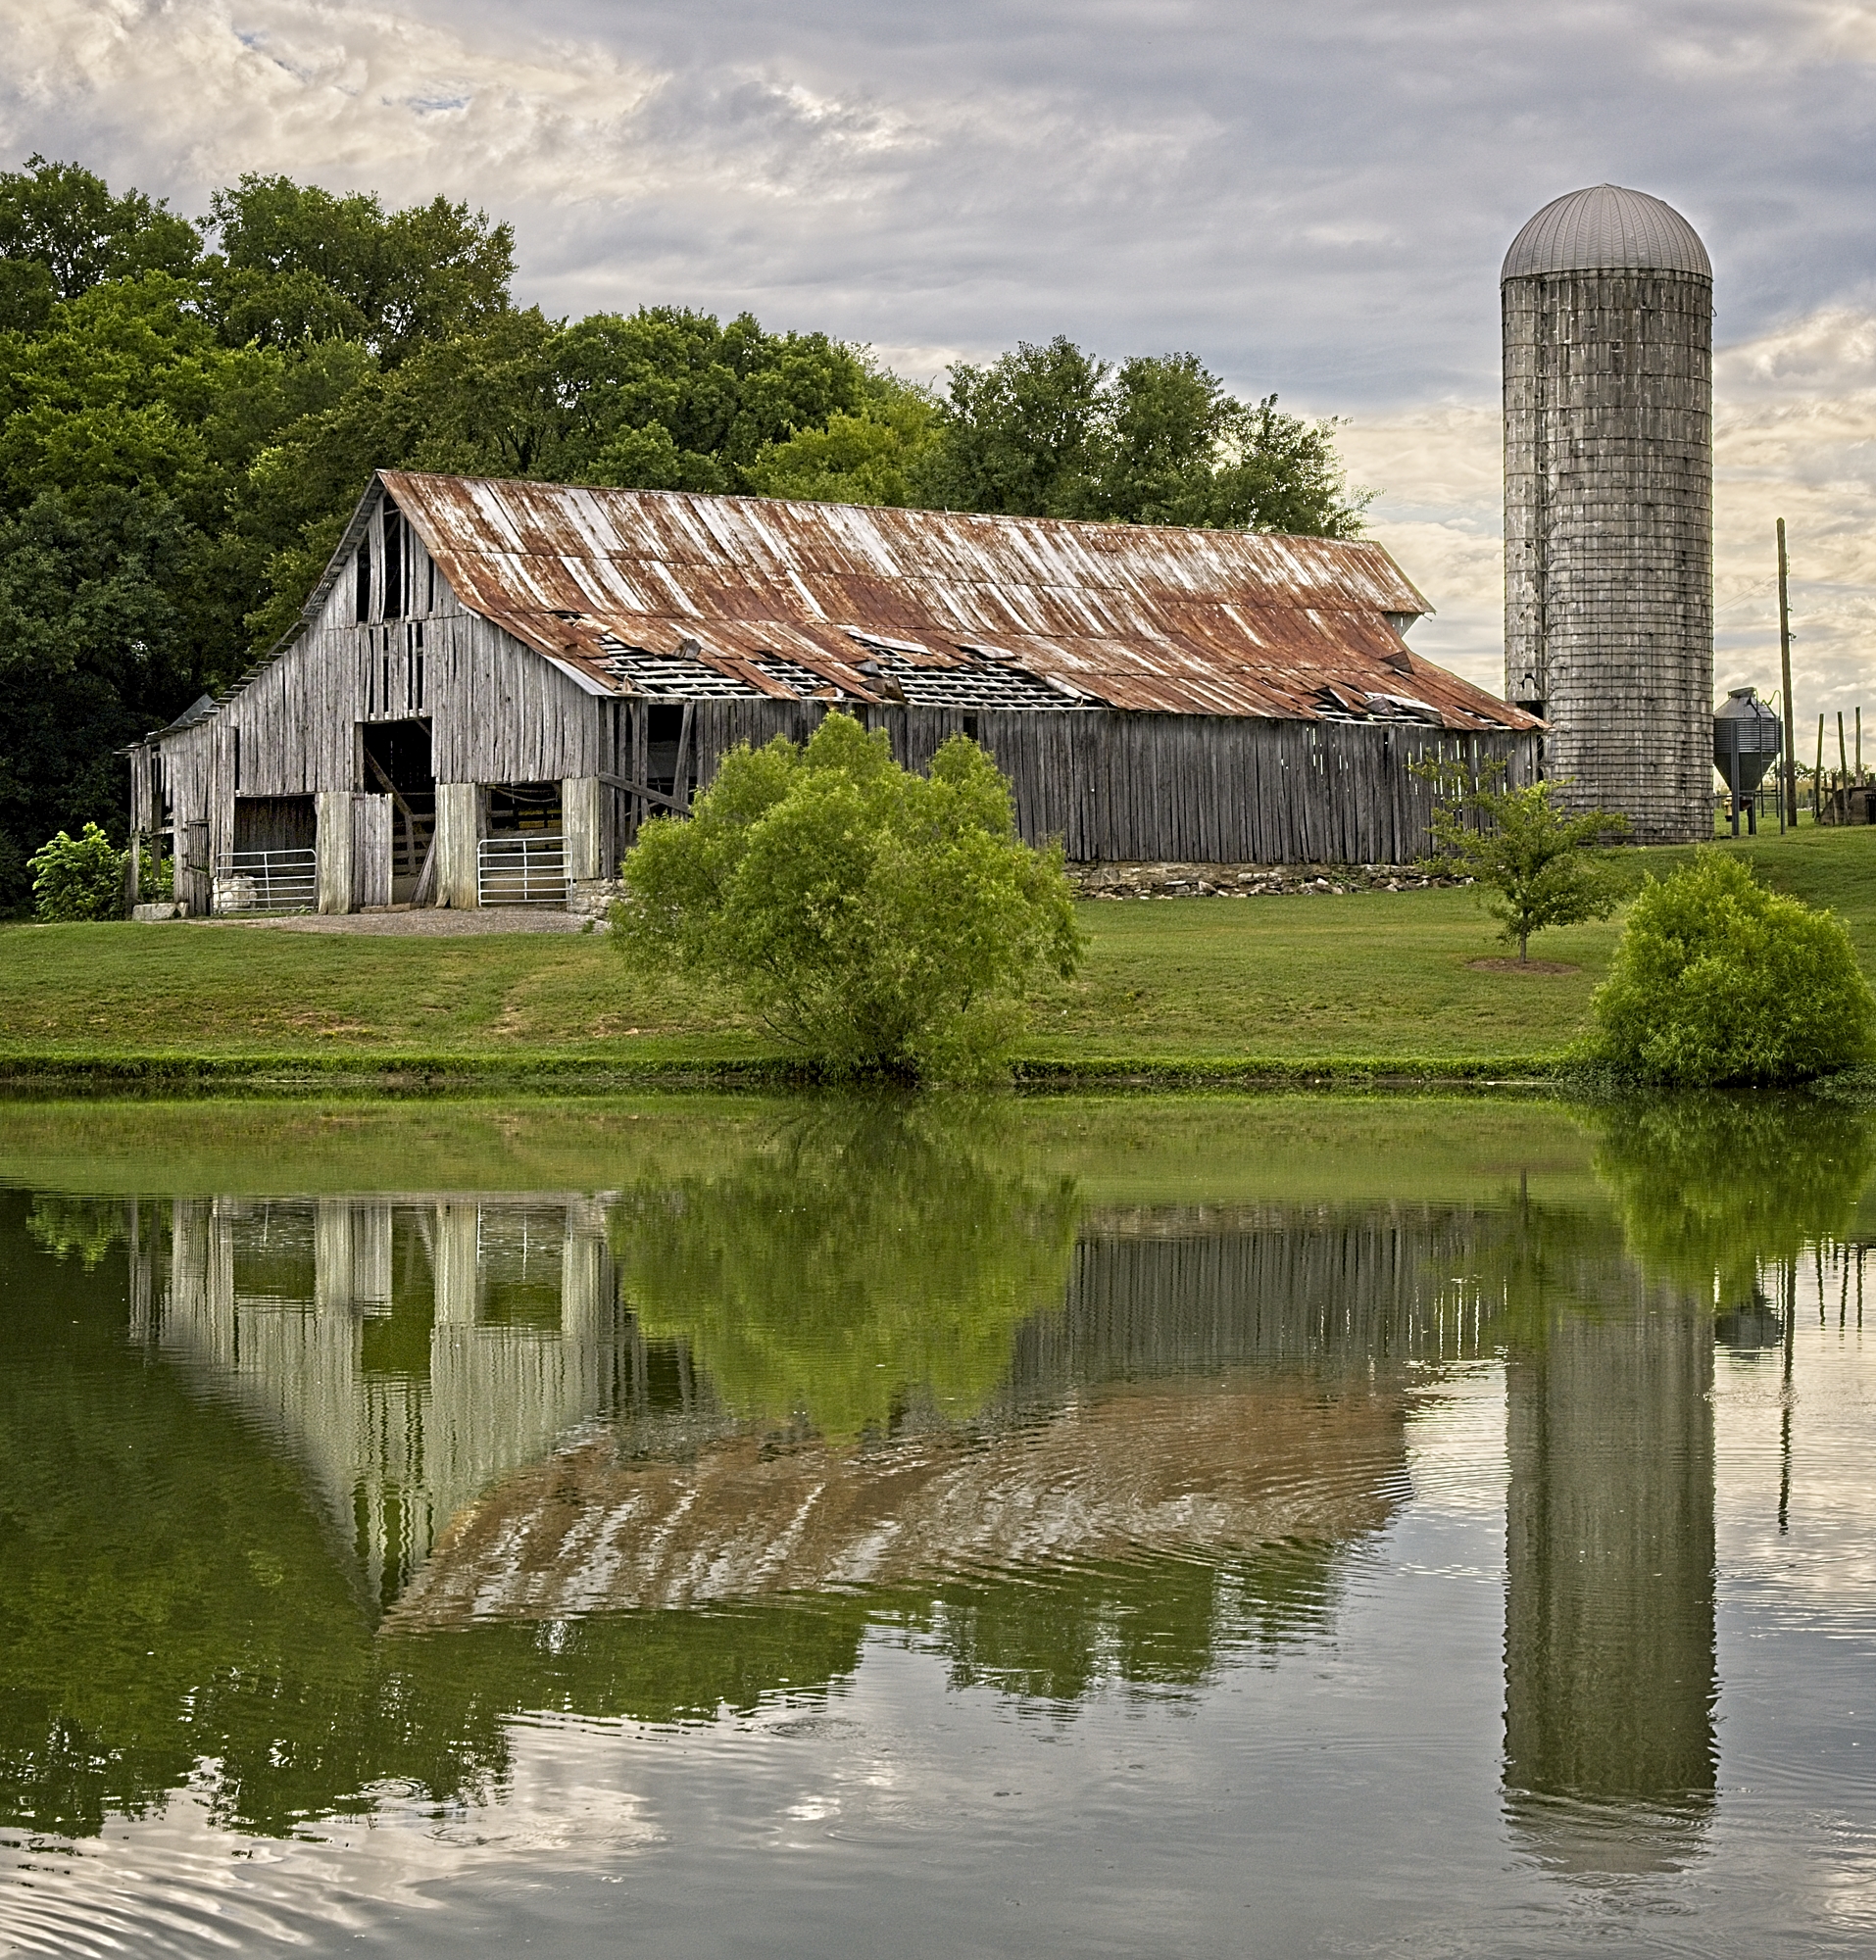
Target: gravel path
point(423, 922)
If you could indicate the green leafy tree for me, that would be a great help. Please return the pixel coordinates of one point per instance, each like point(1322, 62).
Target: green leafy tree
point(881, 454)
point(94, 651)
point(296, 262)
point(1718, 980)
point(61, 232)
point(878, 922)
point(1536, 863)
point(79, 877)
point(1049, 431)
point(1026, 435)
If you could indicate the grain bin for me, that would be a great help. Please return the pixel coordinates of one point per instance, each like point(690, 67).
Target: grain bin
point(1608, 305)
point(1747, 738)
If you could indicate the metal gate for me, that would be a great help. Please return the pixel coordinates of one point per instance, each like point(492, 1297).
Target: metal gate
point(526, 869)
point(267, 881)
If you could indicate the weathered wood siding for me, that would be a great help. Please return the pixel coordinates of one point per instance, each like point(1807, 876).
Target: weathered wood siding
point(1125, 788)
point(371, 851)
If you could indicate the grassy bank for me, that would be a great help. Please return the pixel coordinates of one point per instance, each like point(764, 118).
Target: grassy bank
point(1172, 990)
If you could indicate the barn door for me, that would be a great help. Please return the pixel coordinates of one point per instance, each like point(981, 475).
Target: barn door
point(192, 868)
point(371, 851)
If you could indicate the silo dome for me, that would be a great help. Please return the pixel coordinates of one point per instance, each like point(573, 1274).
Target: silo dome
point(1607, 228)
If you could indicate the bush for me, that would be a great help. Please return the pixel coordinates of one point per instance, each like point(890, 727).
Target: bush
point(878, 922)
point(1534, 863)
point(78, 877)
point(1718, 980)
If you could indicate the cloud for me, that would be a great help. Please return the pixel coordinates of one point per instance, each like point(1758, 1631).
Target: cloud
point(1794, 436)
point(185, 94)
point(1315, 199)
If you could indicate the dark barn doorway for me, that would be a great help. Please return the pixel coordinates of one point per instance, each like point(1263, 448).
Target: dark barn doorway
point(274, 823)
point(397, 765)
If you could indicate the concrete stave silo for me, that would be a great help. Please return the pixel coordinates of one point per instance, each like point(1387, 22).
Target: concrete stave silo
point(1606, 299)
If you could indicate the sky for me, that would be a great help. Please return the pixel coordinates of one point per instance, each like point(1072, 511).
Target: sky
point(1314, 199)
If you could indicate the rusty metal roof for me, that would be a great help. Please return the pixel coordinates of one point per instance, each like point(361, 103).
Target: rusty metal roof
point(666, 594)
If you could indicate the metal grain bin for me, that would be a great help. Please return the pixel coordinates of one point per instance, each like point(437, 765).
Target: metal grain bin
point(1747, 738)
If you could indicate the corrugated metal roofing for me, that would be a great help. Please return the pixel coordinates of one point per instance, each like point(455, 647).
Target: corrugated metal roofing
point(1607, 228)
point(836, 601)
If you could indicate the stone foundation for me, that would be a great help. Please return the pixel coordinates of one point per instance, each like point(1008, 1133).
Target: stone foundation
point(1244, 881)
point(593, 896)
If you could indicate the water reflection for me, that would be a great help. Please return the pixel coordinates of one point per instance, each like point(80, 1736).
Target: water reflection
point(406, 1352)
point(1059, 1441)
point(1609, 1665)
point(374, 1471)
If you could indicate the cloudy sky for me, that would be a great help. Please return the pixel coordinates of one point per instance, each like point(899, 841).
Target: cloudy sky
point(1314, 198)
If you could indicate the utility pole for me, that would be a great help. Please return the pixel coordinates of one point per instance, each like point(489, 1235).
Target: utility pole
point(1785, 665)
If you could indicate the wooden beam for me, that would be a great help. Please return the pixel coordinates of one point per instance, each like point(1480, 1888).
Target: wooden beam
point(644, 790)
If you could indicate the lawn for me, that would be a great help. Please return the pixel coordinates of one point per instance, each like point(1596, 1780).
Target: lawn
point(1375, 977)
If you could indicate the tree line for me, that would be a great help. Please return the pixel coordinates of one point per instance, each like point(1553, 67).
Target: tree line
point(190, 409)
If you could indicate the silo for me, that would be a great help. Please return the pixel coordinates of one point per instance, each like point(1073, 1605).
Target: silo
point(1607, 299)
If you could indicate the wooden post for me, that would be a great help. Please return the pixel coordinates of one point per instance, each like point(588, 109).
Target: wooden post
point(580, 827)
point(1817, 776)
point(1859, 745)
point(1785, 667)
point(334, 838)
point(681, 780)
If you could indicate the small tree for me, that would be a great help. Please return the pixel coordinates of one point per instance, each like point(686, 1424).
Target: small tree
point(1718, 980)
point(78, 877)
point(878, 922)
point(1534, 865)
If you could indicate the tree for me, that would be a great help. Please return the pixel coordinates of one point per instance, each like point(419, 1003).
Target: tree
point(881, 454)
point(79, 877)
point(1718, 980)
point(64, 223)
point(1025, 435)
point(1049, 431)
point(296, 262)
point(878, 922)
point(1535, 864)
point(93, 652)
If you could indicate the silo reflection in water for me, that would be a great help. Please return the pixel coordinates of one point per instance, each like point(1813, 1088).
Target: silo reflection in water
point(1609, 1666)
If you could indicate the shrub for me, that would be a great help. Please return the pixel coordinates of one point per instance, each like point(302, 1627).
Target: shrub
point(1718, 980)
point(1534, 863)
point(878, 922)
point(78, 877)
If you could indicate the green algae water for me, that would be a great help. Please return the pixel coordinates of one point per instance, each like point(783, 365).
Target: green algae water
point(824, 1527)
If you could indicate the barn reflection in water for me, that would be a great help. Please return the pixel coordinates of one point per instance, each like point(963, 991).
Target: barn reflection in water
point(1196, 1410)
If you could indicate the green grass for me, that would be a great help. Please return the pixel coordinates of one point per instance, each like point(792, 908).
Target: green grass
point(1381, 981)
point(1134, 1150)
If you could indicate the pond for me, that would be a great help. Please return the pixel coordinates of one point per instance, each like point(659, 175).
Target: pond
point(1074, 1526)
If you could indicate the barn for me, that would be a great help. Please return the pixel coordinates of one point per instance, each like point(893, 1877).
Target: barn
point(495, 683)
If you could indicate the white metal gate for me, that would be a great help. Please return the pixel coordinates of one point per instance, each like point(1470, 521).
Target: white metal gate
point(267, 881)
point(525, 869)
